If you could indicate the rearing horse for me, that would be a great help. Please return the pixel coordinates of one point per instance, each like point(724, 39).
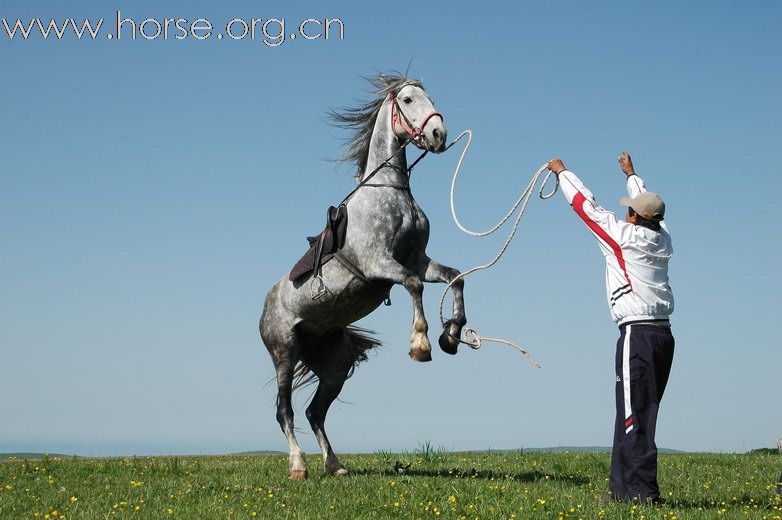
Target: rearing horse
point(385, 244)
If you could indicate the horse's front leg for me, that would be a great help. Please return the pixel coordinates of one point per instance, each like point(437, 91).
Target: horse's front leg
point(452, 330)
point(392, 271)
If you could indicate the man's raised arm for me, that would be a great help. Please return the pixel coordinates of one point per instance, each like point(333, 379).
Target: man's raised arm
point(635, 184)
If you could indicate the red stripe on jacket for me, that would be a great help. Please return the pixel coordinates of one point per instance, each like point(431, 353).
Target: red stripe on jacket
point(578, 206)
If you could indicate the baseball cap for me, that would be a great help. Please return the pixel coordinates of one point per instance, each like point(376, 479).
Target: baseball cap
point(648, 204)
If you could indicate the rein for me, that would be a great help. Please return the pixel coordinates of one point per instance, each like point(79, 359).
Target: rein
point(365, 181)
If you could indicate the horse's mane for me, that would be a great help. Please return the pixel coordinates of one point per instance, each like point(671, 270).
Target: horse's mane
point(361, 119)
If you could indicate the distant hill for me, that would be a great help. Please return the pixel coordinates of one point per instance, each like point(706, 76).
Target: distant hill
point(260, 452)
point(31, 455)
point(589, 449)
point(765, 451)
point(562, 449)
point(22, 455)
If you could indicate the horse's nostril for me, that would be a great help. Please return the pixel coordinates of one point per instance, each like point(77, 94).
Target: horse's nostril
point(436, 133)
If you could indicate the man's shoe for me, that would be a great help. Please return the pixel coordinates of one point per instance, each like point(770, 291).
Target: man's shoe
point(610, 497)
point(650, 501)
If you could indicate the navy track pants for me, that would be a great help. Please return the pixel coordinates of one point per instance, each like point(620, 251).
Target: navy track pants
point(644, 354)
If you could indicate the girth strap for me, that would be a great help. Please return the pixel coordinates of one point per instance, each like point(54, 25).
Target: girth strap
point(350, 266)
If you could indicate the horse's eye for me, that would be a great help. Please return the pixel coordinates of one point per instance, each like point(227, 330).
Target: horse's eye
point(407, 100)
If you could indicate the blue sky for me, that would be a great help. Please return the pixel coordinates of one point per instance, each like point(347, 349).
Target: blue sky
point(153, 191)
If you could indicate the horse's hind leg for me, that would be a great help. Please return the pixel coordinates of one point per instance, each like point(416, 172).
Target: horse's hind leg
point(298, 468)
point(328, 390)
point(285, 350)
point(332, 371)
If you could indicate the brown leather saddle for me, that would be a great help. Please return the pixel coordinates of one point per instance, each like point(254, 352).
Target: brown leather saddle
point(323, 246)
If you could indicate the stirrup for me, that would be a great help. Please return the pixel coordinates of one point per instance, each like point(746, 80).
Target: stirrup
point(320, 290)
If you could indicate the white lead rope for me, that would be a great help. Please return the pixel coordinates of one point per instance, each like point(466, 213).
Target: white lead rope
point(470, 336)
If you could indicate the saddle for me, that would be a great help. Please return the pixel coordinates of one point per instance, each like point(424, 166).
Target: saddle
point(324, 246)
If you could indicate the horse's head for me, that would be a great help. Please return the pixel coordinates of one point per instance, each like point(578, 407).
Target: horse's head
point(413, 117)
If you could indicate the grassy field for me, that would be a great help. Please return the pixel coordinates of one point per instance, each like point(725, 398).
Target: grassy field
point(427, 483)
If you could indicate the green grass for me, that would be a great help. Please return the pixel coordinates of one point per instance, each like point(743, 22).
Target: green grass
point(425, 483)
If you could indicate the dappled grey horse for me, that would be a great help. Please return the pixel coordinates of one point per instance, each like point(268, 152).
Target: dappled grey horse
point(385, 244)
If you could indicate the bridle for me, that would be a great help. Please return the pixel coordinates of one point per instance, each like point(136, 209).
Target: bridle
point(398, 117)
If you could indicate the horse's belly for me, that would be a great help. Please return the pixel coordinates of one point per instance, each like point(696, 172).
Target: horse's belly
point(345, 300)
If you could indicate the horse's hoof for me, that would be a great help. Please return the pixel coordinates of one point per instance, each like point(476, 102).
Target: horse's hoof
point(298, 474)
point(336, 469)
point(447, 345)
point(419, 354)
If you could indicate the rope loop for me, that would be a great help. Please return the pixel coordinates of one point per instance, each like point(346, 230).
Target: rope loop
point(471, 338)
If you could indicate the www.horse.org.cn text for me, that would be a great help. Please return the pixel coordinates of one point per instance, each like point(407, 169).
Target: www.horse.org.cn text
point(271, 32)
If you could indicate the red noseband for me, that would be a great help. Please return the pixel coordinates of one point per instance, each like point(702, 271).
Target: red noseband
point(398, 118)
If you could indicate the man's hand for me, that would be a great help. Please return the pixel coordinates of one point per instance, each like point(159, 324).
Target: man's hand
point(626, 163)
point(556, 165)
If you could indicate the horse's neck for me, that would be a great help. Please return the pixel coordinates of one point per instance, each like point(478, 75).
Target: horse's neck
point(385, 144)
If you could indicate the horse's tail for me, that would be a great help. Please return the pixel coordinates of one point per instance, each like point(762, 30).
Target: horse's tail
point(361, 340)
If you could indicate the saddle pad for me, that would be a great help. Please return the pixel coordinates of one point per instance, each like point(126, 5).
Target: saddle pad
point(305, 265)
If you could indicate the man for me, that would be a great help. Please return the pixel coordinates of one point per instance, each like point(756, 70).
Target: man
point(637, 251)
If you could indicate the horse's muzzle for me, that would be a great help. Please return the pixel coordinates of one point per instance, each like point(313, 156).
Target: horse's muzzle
point(436, 137)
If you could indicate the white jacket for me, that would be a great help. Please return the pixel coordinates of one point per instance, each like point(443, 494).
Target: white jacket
point(636, 257)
